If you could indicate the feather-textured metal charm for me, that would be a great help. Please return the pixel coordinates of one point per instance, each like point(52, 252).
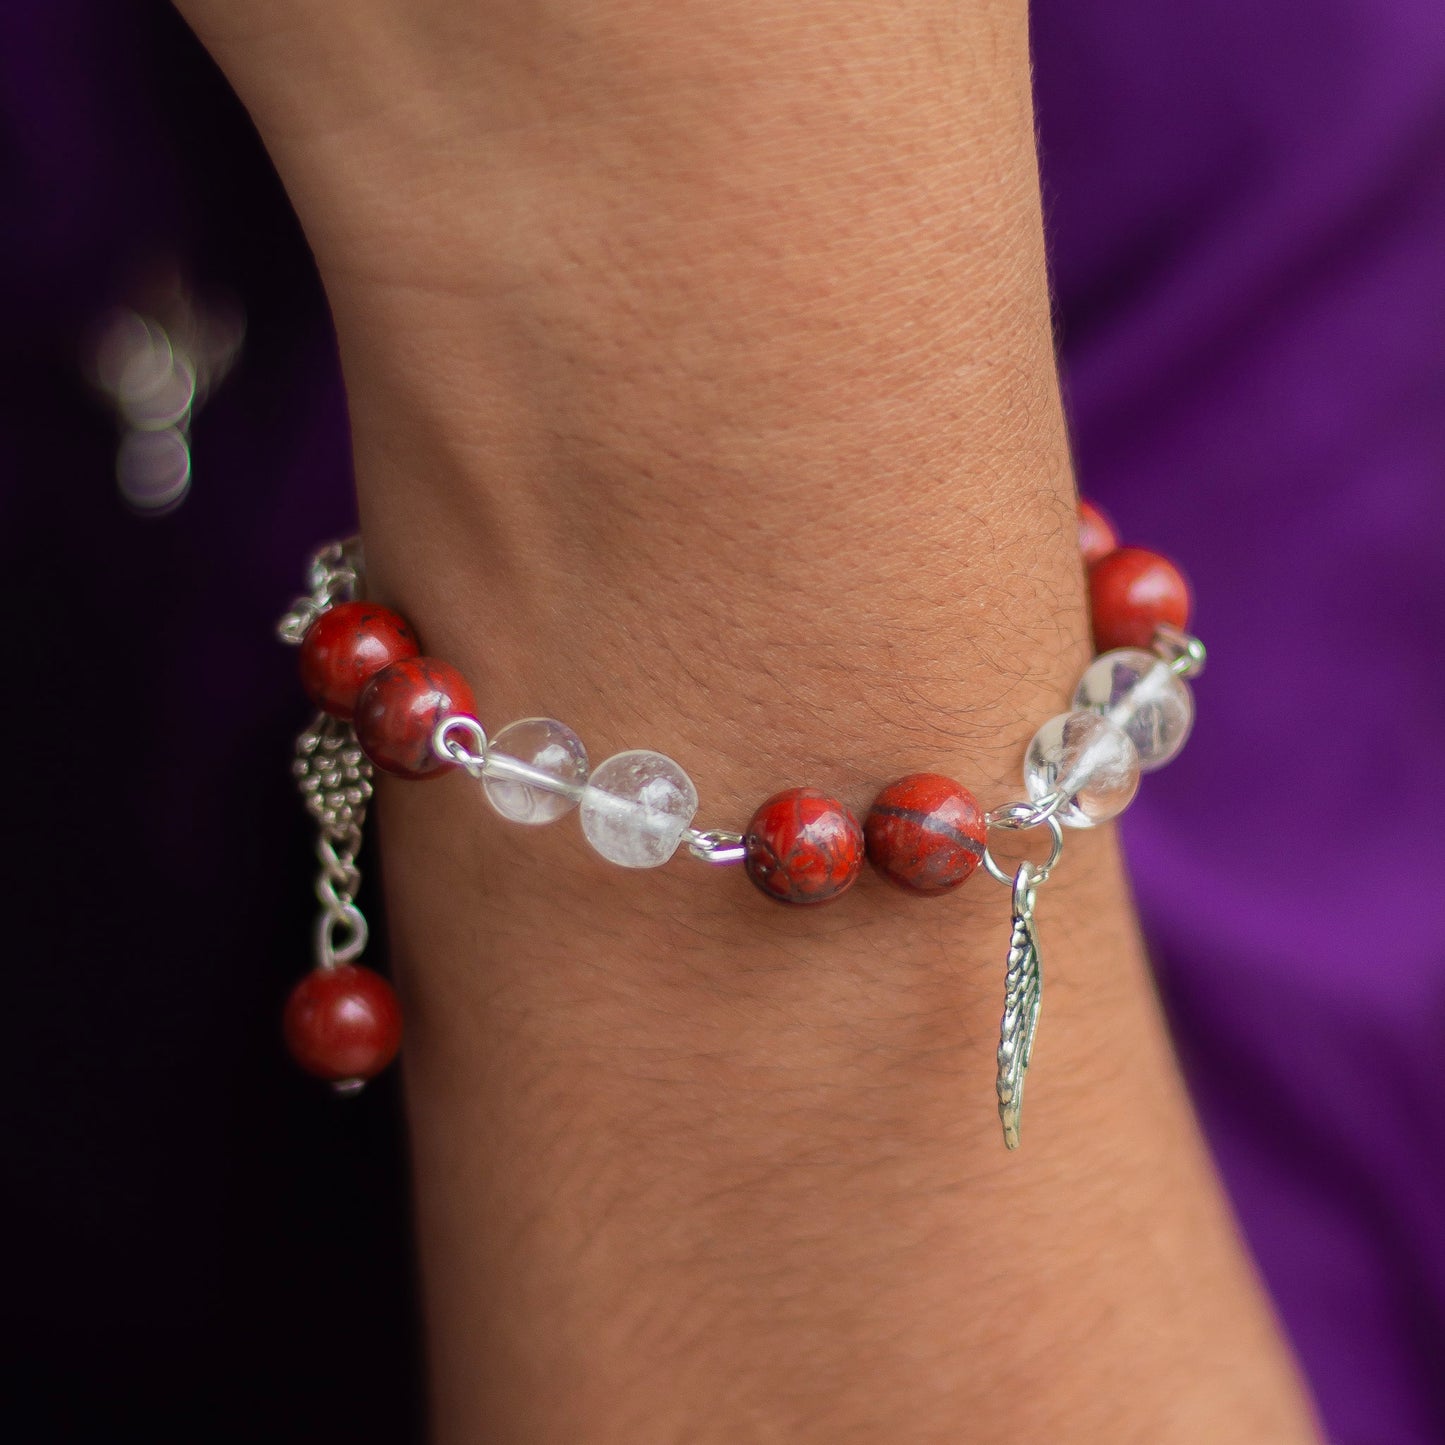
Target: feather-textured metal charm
point(1023, 995)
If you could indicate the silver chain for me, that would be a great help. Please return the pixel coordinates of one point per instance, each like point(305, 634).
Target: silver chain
point(335, 779)
point(333, 774)
point(335, 575)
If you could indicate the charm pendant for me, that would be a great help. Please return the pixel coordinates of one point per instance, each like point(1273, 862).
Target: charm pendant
point(1023, 994)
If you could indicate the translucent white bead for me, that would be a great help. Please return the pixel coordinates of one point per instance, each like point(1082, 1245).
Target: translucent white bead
point(551, 753)
point(1144, 695)
point(1088, 759)
point(636, 807)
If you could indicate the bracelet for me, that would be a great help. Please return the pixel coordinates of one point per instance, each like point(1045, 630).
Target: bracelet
point(385, 705)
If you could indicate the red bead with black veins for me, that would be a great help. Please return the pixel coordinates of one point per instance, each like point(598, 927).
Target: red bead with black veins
point(399, 710)
point(925, 833)
point(1131, 591)
point(342, 1023)
point(1097, 537)
point(803, 847)
point(346, 647)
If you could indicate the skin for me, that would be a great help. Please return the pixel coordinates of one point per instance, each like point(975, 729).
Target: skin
point(703, 396)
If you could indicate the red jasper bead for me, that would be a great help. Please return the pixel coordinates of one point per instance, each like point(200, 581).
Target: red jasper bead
point(1132, 591)
point(346, 647)
point(925, 833)
point(342, 1023)
point(1097, 537)
point(399, 710)
point(803, 847)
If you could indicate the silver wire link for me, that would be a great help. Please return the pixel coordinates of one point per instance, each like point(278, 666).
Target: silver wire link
point(715, 845)
point(335, 575)
point(1184, 653)
point(1026, 815)
point(459, 738)
point(352, 922)
point(450, 749)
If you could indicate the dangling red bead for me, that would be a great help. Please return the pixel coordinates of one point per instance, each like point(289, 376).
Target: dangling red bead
point(1132, 591)
point(1097, 537)
point(342, 1023)
point(346, 647)
point(399, 710)
point(803, 847)
point(925, 833)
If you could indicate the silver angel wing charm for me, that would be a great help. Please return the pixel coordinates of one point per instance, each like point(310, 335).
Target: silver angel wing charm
point(1023, 994)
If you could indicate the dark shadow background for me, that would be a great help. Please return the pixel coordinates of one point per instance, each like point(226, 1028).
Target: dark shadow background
point(202, 1245)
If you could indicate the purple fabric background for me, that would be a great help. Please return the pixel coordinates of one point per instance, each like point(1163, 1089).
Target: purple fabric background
point(1247, 211)
point(1247, 216)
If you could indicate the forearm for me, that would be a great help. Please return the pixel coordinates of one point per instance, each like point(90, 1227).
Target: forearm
point(703, 397)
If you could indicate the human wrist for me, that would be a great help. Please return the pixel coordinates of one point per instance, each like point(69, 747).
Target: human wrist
point(751, 451)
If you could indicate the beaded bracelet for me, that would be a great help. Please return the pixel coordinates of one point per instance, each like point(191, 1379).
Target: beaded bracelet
point(385, 705)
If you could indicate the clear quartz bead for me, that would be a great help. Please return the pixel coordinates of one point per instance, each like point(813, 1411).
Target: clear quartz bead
point(535, 770)
point(1087, 758)
point(1145, 696)
point(636, 807)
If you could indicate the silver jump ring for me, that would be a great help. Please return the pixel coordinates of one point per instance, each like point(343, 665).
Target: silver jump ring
point(1038, 872)
point(452, 751)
